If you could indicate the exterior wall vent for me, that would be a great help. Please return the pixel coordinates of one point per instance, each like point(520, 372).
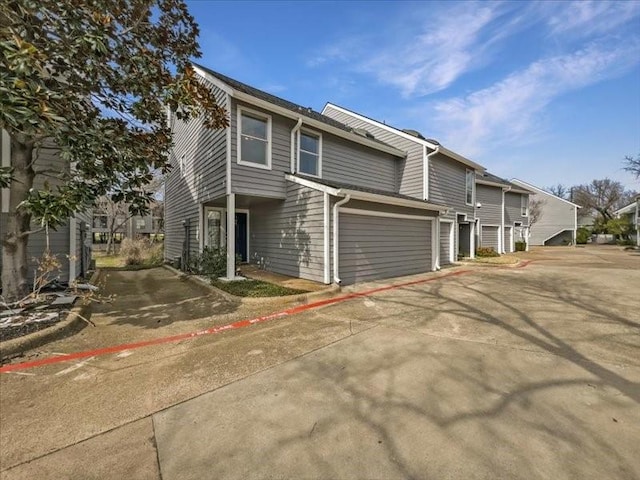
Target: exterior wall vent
point(413, 133)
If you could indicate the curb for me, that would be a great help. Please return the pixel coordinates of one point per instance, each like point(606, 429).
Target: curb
point(301, 299)
point(64, 328)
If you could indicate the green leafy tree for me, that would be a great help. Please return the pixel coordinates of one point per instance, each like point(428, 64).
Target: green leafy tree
point(95, 78)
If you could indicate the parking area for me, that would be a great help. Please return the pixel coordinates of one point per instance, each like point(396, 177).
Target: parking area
point(491, 373)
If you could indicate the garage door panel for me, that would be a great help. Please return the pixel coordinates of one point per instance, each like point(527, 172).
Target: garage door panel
point(491, 237)
point(445, 243)
point(373, 247)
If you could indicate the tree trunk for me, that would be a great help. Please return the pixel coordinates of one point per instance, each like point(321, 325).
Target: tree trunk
point(15, 284)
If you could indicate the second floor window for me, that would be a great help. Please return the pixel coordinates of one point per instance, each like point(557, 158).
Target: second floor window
point(254, 145)
point(309, 154)
point(524, 205)
point(470, 180)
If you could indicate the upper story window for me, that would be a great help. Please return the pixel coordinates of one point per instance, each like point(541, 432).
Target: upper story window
point(254, 138)
point(469, 186)
point(310, 153)
point(524, 205)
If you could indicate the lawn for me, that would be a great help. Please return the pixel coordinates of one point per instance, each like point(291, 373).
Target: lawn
point(254, 288)
point(108, 261)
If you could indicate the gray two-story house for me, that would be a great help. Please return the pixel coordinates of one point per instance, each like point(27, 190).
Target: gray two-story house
point(558, 222)
point(302, 194)
point(432, 173)
point(502, 213)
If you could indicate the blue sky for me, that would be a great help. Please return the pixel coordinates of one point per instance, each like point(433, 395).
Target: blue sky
point(548, 92)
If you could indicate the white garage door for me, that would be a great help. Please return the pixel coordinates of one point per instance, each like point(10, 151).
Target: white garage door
point(374, 247)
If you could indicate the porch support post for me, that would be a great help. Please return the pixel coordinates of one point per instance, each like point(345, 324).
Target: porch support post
point(472, 239)
point(231, 236)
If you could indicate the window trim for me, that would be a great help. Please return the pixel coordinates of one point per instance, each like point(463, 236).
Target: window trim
point(261, 116)
point(311, 133)
point(524, 198)
point(466, 186)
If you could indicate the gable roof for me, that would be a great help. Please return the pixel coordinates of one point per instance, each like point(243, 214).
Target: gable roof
point(631, 208)
point(432, 144)
point(245, 92)
point(370, 194)
point(486, 178)
point(538, 190)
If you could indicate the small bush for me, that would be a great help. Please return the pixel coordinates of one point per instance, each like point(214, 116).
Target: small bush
point(521, 246)
point(486, 252)
point(626, 242)
point(211, 262)
point(582, 236)
point(132, 251)
point(140, 252)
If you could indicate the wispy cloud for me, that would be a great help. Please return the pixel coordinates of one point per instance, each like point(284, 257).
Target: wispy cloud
point(584, 18)
point(510, 110)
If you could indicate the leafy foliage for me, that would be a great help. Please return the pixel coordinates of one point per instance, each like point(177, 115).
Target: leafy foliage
point(211, 262)
point(96, 78)
point(254, 288)
point(486, 252)
point(582, 235)
point(520, 246)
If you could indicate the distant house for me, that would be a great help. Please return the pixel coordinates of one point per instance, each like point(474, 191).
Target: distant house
point(118, 222)
point(71, 243)
point(632, 213)
point(558, 222)
point(502, 213)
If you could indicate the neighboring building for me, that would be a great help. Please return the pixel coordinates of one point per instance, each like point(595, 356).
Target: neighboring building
point(502, 213)
point(307, 196)
point(148, 226)
point(71, 243)
point(558, 221)
point(632, 213)
point(432, 173)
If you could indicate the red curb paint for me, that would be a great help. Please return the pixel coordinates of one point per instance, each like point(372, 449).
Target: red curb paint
point(215, 330)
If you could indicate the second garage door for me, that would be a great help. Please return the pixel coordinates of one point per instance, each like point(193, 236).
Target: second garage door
point(374, 247)
point(491, 237)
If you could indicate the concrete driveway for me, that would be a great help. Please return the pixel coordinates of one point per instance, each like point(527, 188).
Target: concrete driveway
point(493, 373)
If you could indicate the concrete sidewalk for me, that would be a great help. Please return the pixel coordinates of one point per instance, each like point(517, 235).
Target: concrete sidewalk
point(502, 373)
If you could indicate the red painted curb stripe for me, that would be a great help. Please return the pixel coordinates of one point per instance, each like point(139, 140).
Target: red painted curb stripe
point(215, 330)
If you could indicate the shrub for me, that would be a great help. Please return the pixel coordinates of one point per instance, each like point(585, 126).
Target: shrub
point(582, 236)
point(132, 251)
point(139, 251)
point(211, 262)
point(521, 246)
point(486, 252)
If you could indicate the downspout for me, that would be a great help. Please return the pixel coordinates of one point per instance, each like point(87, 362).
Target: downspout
point(293, 139)
point(336, 246)
point(425, 172)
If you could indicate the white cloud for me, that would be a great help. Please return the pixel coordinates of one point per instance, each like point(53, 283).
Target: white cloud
point(584, 18)
point(511, 109)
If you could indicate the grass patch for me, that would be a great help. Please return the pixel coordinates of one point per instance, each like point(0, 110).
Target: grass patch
point(502, 260)
point(109, 261)
point(254, 288)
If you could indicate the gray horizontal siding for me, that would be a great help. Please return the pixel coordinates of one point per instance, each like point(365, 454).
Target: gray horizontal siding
point(373, 248)
point(447, 185)
point(409, 170)
point(446, 245)
point(203, 178)
point(348, 162)
point(490, 199)
point(490, 237)
point(508, 233)
point(557, 216)
point(512, 209)
point(287, 236)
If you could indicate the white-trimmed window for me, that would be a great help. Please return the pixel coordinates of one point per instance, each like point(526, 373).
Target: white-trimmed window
point(310, 153)
point(524, 205)
point(469, 186)
point(181, 163)
point(254, 138)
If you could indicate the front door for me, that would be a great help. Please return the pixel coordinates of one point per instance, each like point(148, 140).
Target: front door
point(464, 239)
point(241, 236)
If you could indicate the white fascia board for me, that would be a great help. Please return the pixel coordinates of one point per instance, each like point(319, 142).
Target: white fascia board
point(314, 185)
point(535, 189)
point(491, 184)
point(406, 136)
point(400, 202)
point(310, 122)
point(218, 83)
point(628, 209)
